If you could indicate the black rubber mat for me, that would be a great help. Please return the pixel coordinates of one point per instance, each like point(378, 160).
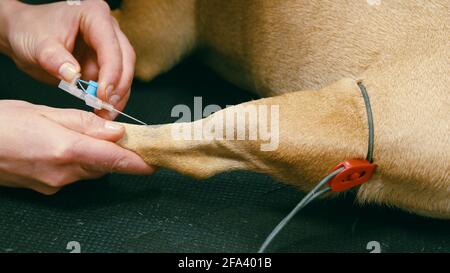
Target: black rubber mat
point(167, 212)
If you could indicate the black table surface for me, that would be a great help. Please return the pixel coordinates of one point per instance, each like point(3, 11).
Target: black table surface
point(168, 212)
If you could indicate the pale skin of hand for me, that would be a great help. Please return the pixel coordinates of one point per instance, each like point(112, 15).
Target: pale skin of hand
point(43, 148)
point(60, 41)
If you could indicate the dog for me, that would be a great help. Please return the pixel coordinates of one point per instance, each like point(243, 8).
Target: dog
point(308, 57)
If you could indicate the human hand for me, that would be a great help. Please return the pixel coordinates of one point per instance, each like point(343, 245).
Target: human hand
point(45, 148)
point(47, 40)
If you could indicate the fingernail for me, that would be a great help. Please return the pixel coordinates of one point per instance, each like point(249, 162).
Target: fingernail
point(112, 115)
point(114, 99)
point(109, 91)
point(68, 72)
point(122, 164)
point(113, 126)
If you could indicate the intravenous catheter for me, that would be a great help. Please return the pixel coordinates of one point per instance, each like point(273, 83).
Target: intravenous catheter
point(89, 96)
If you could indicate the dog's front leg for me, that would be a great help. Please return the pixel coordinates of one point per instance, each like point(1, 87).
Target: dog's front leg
point(296, 137)
point(312, 133)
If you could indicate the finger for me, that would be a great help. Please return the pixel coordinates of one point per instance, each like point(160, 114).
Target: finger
point(89, 66)
point(120, 99)
point(113, 115)
point(128, 63)
point(90, 70)
point(36, 185)
point(54, 58)
point(85, 123)
point(104, 157)
point(86, 174)
point(44, 189)
point(29, 183)
point(98, 32)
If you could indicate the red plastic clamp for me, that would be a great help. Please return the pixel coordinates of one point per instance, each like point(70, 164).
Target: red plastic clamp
point(356, 172)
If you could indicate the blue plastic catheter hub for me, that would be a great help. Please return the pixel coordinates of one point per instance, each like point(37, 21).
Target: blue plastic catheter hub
point(92, 88)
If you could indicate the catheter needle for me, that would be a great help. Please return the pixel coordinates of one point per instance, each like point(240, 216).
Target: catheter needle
point(128, 116)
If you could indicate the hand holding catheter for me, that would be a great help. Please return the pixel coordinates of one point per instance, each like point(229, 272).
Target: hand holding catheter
point(89, 96)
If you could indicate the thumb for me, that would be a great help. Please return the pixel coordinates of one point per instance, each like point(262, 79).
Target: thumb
point(53, 57)
point(86, 123)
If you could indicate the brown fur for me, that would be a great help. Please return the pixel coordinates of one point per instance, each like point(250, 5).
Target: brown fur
point(398, 49)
